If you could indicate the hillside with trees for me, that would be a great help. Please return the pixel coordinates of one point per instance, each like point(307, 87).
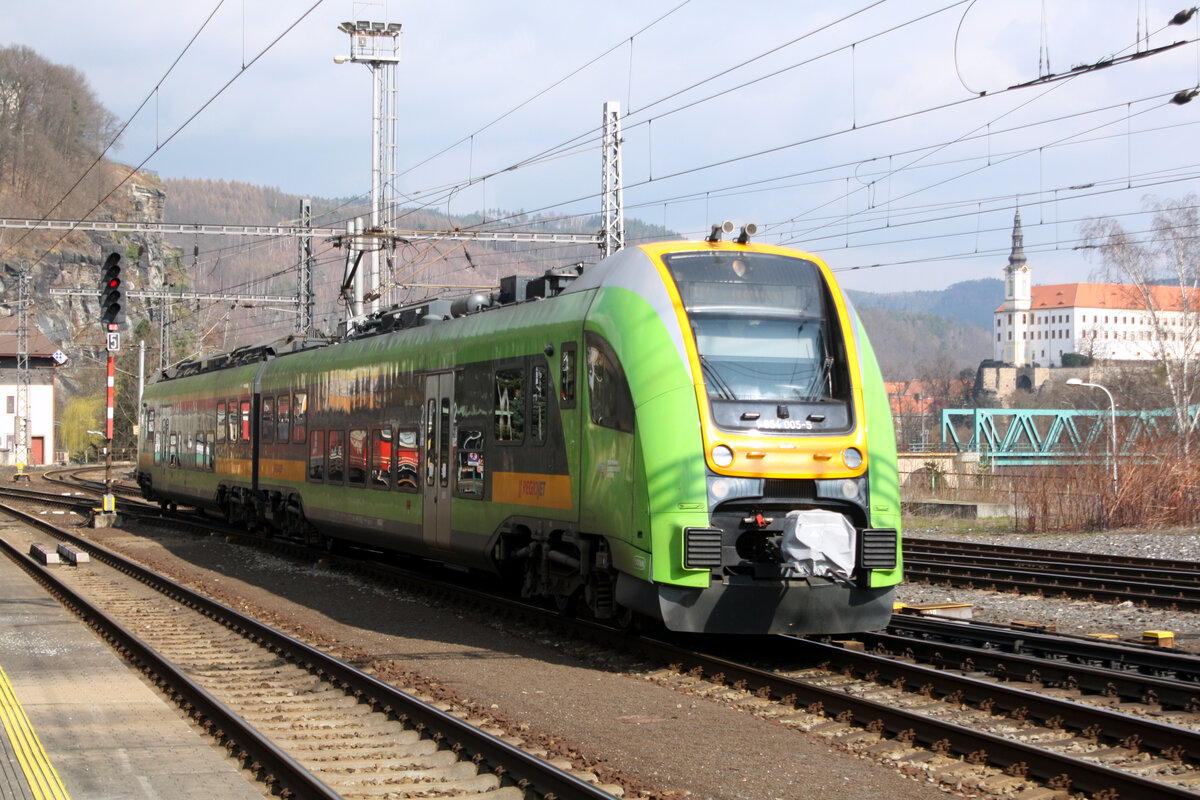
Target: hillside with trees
point(968, 302)
point(914, 344)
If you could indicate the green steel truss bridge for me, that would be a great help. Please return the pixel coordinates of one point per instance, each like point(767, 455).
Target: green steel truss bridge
point(1023, 437)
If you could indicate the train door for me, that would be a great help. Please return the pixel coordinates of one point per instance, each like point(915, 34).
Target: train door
point(437, 415)
point(607, 494)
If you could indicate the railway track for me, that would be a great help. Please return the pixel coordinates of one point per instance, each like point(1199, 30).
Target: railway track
point(307, 724)
point(1148, 582)
point(1053, 713)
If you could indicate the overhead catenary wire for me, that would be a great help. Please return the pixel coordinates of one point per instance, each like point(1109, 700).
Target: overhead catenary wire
point(160, 145)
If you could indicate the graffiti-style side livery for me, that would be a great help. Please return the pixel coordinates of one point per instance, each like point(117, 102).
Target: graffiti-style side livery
point(691, 431)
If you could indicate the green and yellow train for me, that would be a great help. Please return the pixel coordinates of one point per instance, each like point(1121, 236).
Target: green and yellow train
point(691, 431)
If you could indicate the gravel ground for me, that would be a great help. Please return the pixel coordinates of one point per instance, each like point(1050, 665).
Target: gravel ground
point(594, 708)
point(1068, 616)
point(575, 701)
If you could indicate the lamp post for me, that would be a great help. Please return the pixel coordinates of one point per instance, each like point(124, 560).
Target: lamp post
point(1113, 408)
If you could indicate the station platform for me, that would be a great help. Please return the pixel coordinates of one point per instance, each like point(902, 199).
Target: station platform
point(79, 723)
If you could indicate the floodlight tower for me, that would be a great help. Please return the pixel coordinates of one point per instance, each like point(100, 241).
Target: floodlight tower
point(377, 44)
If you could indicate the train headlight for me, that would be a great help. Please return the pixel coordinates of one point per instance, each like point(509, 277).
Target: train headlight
point(722, 488)
point(722, 456)
point(852, 457)
point(852, 489)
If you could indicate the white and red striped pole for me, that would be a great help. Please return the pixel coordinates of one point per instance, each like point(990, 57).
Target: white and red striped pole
point(108, 432)
point(109, 502)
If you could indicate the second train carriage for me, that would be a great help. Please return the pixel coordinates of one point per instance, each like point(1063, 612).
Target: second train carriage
point(694, 431)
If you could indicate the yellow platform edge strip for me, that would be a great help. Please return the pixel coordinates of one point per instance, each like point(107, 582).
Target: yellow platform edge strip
point(43, 779)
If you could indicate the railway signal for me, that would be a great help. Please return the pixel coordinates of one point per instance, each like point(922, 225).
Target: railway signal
point(112, 293)
point(112, 316)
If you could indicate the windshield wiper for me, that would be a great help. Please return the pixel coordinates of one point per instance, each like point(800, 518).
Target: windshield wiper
point(715, 378)
point(818, 383)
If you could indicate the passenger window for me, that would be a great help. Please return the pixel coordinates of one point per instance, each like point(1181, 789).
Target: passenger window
point(337, 455)
point(267, 423)
point(245, 420)
point(174, 450)
point(608, 391)
point(221, 422)
point(357, 474)
point(407, 456)
point(430, 442)
point(468, 478)
point(233, 421)
point(283, 417)
point(381, 458)
point(510, 406)
point(316, 456)
point(300, 417)
point(537, 404)
point(566, 376)
point(444, 443)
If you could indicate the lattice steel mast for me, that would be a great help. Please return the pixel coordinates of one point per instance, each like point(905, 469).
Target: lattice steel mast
point(612, 203)
point(22, 421)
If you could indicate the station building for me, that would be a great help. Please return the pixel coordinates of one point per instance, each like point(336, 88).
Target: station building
point(1037, 325)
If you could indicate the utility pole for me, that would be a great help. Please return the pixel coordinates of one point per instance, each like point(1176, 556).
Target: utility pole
point(22, 422)
point(377, 44)
point(612, 203)
point(304, 288)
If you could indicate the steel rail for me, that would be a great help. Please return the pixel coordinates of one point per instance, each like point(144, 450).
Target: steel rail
point(918, 545)
point(1063, 567)
point(1041, 764)
point(537, 778)
point(285, 772)
point(1131, 686)
point(1183, 667)
point(959, 575)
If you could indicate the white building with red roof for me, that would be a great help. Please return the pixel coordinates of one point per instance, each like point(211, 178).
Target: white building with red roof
point(1108, 321)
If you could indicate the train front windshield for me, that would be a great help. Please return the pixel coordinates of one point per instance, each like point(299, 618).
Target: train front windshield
point(763, 326)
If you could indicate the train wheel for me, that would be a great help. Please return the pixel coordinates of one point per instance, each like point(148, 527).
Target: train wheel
point(567, 604)
point(624, 618)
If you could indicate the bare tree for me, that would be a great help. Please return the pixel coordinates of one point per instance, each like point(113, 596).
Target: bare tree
point(1161, 270)
point(52, 128)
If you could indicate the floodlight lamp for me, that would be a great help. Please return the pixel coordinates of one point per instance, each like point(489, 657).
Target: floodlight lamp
point(363, 25)
point(346, 27)
point(393, 27)
point(378, 27)
point(340, 59)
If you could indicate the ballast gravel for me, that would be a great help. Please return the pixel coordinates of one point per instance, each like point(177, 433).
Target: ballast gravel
point(590, 708)
point(1124, 619)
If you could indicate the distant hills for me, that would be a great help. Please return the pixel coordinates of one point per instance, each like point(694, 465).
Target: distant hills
point(968, 302)
point(930, 333)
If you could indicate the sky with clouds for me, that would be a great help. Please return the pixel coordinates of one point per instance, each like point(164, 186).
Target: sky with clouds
point(884, 136)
